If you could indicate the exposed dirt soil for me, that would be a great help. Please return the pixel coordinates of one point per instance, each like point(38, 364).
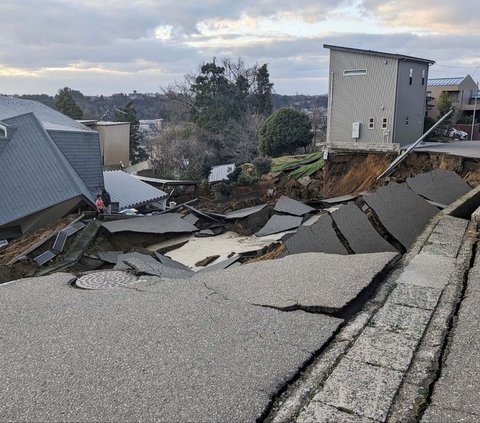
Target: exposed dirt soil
point(18, 246)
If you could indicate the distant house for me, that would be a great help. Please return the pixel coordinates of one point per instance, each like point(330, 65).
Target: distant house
point(462, 91)
point(375, 98)
point(114, 141)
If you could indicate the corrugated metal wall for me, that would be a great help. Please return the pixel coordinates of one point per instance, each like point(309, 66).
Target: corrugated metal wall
point(82, 150)
point(358, 98)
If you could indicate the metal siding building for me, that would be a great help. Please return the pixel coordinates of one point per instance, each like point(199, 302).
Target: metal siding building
point(373, 89)
point(37, 184)
point(79, 144)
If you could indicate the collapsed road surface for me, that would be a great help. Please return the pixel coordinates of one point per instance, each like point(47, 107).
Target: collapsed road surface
point(170, 349)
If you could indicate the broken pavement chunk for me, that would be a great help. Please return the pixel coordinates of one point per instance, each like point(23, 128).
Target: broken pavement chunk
point(439, 185)
point(358, 231)
point(293, 207)
point(221, 265)
point(316, 281)
point(242, 213)
point(167, 261)
point(109, 256)
point(403, 213)
point(148, 265)
point(156, 224)
point(206, 261)
point(319, 237)
point(279, 223)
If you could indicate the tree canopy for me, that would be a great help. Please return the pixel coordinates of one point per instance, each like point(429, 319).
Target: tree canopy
point(128, 113)
point(284, 131)
point(65, 104)
point(444, 104)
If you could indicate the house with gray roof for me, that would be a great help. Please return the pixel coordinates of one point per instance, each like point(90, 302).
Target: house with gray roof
point(38, 184)
point(79, 144)
point(462, 91)
point(375, 98)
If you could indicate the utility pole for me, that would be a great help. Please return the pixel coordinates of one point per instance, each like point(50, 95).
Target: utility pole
point(474, 111)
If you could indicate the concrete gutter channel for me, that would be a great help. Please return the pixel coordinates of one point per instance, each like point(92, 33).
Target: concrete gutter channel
point(383, 364)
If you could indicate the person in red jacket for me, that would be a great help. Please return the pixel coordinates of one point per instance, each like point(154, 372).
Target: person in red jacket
point(100, 205)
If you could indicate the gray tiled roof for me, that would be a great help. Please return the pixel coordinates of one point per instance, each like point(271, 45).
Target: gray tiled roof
point(50, 118)
point(440, 82)
point(130, 191)
point(34, 174)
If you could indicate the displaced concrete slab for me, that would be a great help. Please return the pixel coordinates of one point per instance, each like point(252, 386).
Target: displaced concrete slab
point(428, 270)
point(150, 266)
point(224, 264)
point(157, 224)
point(439, 185)
point(323, 282)
point(340, 199)
point(278, 224)
point(358, 231)
point(109, 256)
point(242, 213)
point(191, 218)
point(403, 213)
point(382, 348)
point(167, 261)
point(121, 265)
point(168, 352)
point(290, 206)
point(319, 237)
point(363, 389)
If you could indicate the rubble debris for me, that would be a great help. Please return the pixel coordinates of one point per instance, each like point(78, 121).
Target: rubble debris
point(199, 213)
point(76, 250)
point(338, 200)
point(212, 231)
point(279, 223)
point(150, 266)
point(403, 213)
point(242, 213)
point(224, 264)
point(191, 218)
point(330, 283)
point(105, 280)
point(110, 257)
point(167, 261)
point(358, 231)
point(121, 265)
point(290, 206)
point(170, 246)
point(45, 257)
point(439, 185)
point(319, 237)
point(206, 261)
point(155, 224)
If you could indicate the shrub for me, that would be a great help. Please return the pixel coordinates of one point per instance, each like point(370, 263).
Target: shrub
point(263, 165)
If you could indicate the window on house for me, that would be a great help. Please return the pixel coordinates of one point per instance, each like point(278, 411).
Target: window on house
point(410, 77)
point(406, 120)
point(423, 77)
point(353, 72)
point(384, 123)
point(371, 123)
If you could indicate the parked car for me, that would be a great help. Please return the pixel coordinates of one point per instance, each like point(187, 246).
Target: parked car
point(458, 135)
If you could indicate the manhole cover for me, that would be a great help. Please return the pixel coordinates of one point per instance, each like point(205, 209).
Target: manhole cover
point(105, 280)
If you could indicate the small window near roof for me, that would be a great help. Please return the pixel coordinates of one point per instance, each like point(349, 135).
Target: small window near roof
point(410, 77)
point(423, 77)
point(371, 123)
point(406, 121)
point(353, 72)
point(384, 123)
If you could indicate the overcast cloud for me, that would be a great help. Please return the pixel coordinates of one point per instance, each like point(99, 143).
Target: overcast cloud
point(121, 45)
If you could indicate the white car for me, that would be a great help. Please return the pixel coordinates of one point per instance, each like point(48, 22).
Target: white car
point(458, 135)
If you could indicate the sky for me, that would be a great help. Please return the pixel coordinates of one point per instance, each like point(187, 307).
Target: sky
point(113, 46)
